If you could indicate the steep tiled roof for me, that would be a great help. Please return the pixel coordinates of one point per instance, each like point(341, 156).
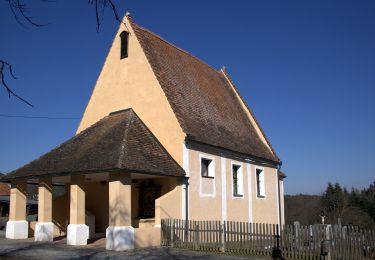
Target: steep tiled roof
point(202, 99)
point(119, 141)
point(4, 189)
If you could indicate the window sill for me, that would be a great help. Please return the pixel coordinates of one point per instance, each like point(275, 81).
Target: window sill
point(261, 196)
point(237, 195)
point(208, 177)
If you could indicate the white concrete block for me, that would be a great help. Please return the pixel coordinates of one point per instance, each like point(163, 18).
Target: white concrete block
point(17, 229)
point(120, 238)
point(44, 231)
point(77, 234)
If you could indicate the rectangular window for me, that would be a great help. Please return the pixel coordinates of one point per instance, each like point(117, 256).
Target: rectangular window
point(206, 168)
point(261, 193)
point(237, 181)
point(124, 44)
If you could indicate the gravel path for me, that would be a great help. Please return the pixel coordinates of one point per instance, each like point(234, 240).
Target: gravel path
point(28, 249)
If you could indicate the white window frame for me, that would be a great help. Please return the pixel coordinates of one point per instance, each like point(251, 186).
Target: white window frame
point(261, 190)
point(240, 180)
point(211, 175)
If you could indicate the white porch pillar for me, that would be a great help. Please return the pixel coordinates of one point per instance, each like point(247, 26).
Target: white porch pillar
point(120, 233)
point(17, 226)
point(44, 227)
point(78, 231)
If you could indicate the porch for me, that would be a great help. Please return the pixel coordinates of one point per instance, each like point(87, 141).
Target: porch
point(124, 208)
point(118, 182)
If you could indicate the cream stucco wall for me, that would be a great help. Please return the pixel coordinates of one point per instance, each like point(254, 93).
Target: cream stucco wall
point(248, 208)
point(130, 83)
point(147, 237)
point(265, 210)
point(237, 207)
point(60, 211)
point(97, 204)
point(204, 200)
point(17, 207)
point(169, 205)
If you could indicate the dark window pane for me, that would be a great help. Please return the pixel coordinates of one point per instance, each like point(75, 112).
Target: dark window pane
point(235, 179)
point(204, 167)
point(124, 44)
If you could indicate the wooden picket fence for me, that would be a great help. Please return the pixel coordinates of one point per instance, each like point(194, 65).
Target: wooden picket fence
point(294, 241)
point(230, 236)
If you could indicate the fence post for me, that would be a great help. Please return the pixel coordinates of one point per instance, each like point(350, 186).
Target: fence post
point(328, 238)
point(196, 237)
point(222, 236)
point(276, 252)
point(172, 232)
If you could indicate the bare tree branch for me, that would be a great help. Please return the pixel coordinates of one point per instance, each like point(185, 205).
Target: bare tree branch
point(20, 13)
point(100, 6)
point(3, 66)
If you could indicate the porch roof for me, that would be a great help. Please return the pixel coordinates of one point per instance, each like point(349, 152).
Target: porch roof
point(118, 142)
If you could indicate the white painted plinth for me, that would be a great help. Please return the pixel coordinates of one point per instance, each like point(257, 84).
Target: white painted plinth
point(119, 238)
point(17, 229)
point(77, 234)
point(44, 231)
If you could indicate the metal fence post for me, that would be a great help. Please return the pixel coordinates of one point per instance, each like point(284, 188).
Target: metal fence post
point(276, 252)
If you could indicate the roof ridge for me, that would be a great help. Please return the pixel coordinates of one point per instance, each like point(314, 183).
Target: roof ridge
point(155, 138)
point(171, 44)
point(125, 138)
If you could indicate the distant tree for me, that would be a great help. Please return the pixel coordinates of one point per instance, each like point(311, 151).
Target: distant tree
point(333, 201)
point(21, 14)
point(365, 200)
point(354, 208)
point(302, 208)
point(356, 216)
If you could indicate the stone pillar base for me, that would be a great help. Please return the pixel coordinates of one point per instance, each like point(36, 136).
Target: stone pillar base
point(119, 238)
point(44, 231)
point(17, 229)
point(77, 234)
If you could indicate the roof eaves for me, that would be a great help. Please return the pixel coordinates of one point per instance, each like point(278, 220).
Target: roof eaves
point(259, 160)
point(7, 179)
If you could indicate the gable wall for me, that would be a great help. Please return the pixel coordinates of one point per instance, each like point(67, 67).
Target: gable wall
point(130, 82)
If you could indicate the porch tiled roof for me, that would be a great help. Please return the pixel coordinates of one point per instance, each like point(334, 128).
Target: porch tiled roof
point(202, 99)
point(118, 142)
point(4, 189)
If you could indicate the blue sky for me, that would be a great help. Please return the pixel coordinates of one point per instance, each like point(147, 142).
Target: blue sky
point(306, 68)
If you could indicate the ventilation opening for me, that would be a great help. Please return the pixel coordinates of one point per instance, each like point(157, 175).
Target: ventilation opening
point(124, 44)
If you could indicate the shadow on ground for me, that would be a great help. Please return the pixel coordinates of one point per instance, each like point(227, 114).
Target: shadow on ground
point(28, 249)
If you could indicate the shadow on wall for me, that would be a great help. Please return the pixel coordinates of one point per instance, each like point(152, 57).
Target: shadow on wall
point(118, 213)
point(60, 214)
point(97, 203)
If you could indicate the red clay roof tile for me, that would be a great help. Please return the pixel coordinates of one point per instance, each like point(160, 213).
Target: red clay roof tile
point(202, 99)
